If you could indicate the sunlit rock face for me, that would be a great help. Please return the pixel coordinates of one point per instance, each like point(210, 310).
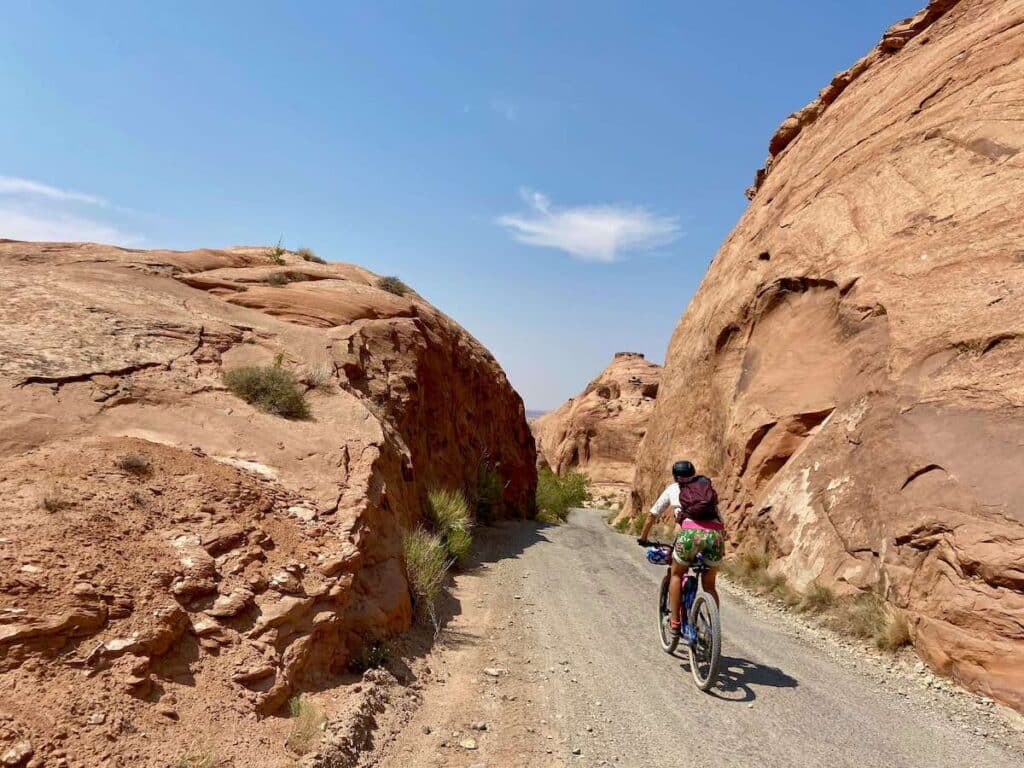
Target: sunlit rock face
point(851, 370)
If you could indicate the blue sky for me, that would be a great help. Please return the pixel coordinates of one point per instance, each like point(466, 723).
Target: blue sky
point(554, 175)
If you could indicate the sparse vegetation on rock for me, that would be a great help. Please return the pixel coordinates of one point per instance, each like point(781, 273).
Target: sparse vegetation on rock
point(288, 276)
point(392, 284)
point(307, 254)
point(306, 721)
point(865, 616)
point(276, 254)
point(270, 388)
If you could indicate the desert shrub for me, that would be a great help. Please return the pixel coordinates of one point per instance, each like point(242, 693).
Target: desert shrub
point(623, 523)
point(269, 388)
point(449, 512)
point(895, 634)
point(867, 617)
point(426, 564)
point(489, 492)
point(134, 464)
point(285, 277)
point(371, 656)
point(557, 494)
point(307, 254)
point(54, 500)
point(307, 719)
point(750, 567)
point(276, 254)
point(319, 376)
point(392, 284)
point(817, 599)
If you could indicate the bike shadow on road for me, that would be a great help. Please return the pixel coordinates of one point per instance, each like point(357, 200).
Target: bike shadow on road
point(738, 678)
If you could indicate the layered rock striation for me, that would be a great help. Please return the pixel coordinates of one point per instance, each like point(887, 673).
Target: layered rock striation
point(178, 557)
point(851, 370)
point(599, 430)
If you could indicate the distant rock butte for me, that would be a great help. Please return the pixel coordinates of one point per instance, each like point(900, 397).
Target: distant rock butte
point(598, 431)
point(851, 370)
point(247, 557)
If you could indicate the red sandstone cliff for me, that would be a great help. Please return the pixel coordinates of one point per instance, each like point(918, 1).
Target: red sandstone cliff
point(250, 555)
point(851, 370)
point(599, 430)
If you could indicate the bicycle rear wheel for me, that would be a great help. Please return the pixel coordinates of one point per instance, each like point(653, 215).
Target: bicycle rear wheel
point(707, 648)
point(668, 641)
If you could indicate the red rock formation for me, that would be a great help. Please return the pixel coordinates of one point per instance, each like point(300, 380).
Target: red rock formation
point(598, 431)
point(850, 370)
point(243, 556)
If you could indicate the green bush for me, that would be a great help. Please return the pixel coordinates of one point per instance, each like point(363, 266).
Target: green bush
point(426, 563)
point(372, 656)
point(449, 512)
point(489, 493)
point(623, 524)
point(307, 254)
point(392, 284)
point(269, 388)
point(557, 494)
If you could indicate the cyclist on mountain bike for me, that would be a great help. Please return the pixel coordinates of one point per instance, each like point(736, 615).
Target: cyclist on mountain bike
point(699, 529)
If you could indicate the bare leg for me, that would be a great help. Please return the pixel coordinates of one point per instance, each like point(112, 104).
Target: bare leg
point(675, 589)
point(708, 582)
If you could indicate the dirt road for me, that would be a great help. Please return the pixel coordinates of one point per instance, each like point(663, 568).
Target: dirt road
point(552, 656)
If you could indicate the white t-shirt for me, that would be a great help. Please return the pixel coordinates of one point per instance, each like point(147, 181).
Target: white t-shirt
point(669, 498)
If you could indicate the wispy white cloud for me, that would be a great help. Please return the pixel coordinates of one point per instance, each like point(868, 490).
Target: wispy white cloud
point(599, 233)
point(11, 185)
point(33, 210)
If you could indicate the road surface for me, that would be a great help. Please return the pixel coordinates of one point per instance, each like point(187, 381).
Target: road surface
point(551, 652)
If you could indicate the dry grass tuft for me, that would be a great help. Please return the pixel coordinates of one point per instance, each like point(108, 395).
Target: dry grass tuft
point(307, 254)
point(319, 376)
point(817, 599)
point(54, 500)
point(307, 722)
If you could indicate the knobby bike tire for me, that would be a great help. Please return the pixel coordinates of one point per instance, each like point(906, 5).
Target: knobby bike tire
point(668, 643)
point(707, 651)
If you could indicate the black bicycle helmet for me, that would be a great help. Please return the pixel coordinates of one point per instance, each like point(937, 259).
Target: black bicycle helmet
point(683, 469)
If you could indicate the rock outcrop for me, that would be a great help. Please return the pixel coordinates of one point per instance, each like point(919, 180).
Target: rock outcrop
point(851, 370)
point(598, 431)
point(177, 563)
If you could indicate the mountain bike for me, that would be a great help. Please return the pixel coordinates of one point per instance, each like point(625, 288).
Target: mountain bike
point(701, 629)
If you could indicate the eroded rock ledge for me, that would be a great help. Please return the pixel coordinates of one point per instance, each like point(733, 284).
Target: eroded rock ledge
point(235, 558)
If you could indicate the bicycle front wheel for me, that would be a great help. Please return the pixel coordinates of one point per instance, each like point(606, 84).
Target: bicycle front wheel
point(706, 650)
point(668, 640)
